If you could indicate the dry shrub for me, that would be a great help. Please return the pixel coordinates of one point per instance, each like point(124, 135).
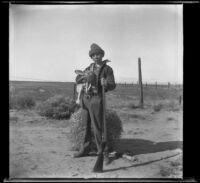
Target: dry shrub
point(174, 170)
point(134, 106)
point(13, 119)
point(57, 107)
point(166, 171)
point(177, 162)
point(157, 107)
point(169, 105)
point(77, 129)
point(170, 119)
point(173, 106)
point(21, 102)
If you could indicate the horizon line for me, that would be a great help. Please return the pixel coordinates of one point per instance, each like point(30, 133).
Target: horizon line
point(117, 82)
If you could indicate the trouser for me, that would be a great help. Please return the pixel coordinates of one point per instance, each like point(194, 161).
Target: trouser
point(92, 115)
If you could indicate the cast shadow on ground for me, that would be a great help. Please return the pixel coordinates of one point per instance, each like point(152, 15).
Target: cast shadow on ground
point(141, 146)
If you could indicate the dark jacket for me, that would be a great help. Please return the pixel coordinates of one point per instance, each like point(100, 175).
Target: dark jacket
point(104, 72)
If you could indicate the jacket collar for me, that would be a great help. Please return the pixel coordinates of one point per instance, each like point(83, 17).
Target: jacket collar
point(104, 62)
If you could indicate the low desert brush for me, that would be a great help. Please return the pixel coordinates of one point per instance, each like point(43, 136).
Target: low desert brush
point(21, 102)
point(166, 171)
point(157, 107)
point(57, 107)
point(169, 105)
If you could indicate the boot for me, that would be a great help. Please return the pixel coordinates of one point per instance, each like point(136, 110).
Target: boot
point(84, 151)
point(107, 160)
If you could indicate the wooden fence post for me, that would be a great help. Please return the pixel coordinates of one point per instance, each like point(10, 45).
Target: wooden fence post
point(180, 100)
point(12, 90)
point(140, 82)
point(74, 92)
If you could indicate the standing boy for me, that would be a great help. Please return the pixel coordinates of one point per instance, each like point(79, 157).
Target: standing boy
point(91, 99)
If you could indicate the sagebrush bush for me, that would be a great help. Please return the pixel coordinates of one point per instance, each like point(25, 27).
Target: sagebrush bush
point(57, 107)
point(165, 171)
point(77, 129)
point(157, 107)
point(173, 106)
point(169, 105)
point(21, 102)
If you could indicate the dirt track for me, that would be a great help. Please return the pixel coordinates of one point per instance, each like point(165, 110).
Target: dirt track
point(40, 148)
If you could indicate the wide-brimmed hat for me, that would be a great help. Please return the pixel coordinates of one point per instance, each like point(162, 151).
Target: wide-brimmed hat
point(95, 49)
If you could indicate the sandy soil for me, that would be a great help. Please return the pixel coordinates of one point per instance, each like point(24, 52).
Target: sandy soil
point(40, 148)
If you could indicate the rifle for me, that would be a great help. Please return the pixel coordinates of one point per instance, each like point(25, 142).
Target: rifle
point(98, 167)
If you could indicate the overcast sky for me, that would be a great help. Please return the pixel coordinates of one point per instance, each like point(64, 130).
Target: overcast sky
point(48, 42)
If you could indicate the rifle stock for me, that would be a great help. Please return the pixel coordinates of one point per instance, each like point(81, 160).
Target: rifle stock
point(98, 167)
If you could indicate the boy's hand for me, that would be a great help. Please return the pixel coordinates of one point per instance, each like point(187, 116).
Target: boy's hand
point(103, 82)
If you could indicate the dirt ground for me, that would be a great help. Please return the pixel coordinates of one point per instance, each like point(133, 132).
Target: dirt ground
point(151, 145)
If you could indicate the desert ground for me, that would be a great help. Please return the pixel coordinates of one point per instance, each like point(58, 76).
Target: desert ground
point(150, 144)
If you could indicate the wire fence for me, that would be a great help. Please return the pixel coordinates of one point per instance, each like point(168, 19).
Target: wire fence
point(151, 85)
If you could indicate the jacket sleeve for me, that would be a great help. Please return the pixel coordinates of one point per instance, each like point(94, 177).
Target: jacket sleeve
point(110, 80)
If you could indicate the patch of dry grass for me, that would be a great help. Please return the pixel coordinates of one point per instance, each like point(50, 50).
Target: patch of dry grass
point(165, 171)
point(133, 106)
point(173, 170)
point(21, 102)
point(169, 105)
point(13, 119)
point(177, 162)
point(170, 119)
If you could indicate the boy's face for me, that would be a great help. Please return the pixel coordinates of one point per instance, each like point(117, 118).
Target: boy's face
point(97, 58)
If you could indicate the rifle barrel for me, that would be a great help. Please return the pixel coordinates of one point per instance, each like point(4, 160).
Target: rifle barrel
point(98, 167)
